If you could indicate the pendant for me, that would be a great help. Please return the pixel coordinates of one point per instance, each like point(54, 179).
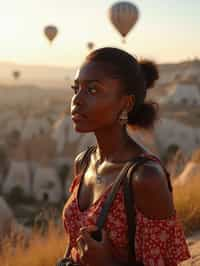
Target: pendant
point(99, 179)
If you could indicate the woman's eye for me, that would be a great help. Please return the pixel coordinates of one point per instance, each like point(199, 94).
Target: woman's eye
point(75, 88)
point(91, 90)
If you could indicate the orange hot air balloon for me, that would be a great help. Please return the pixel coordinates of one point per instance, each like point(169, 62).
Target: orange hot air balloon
point(90, 45)
point(50, 32)
point(16, 74)
point(123, 15)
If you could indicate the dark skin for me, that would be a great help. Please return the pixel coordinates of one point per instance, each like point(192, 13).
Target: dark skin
point(101, 100)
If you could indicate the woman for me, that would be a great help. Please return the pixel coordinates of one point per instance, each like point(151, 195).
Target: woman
point(109, 93)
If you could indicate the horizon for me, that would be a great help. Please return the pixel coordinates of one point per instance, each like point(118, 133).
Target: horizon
point(74, 66)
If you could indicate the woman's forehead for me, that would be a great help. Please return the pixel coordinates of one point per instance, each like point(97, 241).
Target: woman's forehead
point(93, 71)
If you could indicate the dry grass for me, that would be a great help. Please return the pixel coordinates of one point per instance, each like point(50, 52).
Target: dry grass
point(41, 250)
point(45, 250)
point(196, 156)
point(187, 201)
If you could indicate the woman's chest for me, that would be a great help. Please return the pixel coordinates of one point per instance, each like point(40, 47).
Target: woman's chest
point(116, 222)
point(93, 186)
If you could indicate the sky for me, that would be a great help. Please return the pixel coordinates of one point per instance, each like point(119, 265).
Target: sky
point(167, 31)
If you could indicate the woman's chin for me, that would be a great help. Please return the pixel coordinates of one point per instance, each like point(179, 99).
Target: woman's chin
point(81, 129)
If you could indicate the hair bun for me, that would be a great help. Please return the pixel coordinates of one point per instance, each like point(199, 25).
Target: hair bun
point(150, 72)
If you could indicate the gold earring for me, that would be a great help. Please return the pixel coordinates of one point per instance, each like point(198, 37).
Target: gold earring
point(123, 119)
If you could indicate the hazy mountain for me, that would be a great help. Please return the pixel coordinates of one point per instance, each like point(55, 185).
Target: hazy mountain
point(60, 77)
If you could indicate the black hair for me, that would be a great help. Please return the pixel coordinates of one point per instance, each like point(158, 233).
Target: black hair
point(136, 78)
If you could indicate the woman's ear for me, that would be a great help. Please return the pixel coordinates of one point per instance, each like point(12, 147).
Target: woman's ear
point(127, 103)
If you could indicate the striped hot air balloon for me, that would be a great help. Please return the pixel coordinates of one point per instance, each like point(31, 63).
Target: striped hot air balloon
point(123, 15)
point(50, 32)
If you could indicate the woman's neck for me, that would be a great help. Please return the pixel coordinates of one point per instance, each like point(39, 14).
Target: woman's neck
point(115, 145)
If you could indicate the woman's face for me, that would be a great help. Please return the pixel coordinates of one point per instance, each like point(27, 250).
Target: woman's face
point(97, 100)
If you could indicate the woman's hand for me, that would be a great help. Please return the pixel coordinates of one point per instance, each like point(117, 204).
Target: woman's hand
point(94, 252)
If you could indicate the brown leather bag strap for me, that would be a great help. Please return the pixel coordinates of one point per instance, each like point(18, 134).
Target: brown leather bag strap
point(109, 200)
point(101, 219)
point(115, 187)
point(130, 210)
point(130, 202)
point(85, 158)
point(123, 177)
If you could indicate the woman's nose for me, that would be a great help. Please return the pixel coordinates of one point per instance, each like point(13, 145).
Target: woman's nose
point(78, 98)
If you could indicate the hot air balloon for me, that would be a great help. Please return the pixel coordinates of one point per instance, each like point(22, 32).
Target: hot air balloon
point(90, 45)
point(50, 32)
point(123, 15)
point(16, 74)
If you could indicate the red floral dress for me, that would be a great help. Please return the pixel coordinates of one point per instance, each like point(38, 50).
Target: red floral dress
point(158, 242)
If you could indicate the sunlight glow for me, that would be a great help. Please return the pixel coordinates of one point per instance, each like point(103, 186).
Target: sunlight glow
point(157, 36)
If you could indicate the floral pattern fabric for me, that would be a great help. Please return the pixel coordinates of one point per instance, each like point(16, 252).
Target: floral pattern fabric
point(158, 242)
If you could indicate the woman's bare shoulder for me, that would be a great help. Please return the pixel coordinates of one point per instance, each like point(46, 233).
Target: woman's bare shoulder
point(152, 194)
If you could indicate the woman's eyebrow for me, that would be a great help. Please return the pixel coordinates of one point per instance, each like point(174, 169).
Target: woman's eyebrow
point(88, 81)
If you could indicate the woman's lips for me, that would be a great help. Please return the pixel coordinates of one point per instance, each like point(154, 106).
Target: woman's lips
point(77, 117)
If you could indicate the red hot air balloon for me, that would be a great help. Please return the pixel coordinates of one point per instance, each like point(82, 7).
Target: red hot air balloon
point(123, 15)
